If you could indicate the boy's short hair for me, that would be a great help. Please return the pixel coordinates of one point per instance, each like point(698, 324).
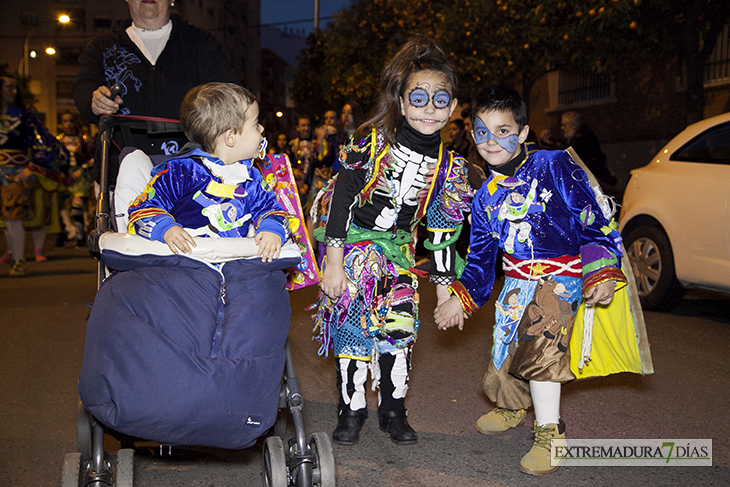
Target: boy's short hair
point(501, 98)
point(208, 110)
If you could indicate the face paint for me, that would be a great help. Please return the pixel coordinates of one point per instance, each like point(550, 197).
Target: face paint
point(419, 98)
point(482, 135)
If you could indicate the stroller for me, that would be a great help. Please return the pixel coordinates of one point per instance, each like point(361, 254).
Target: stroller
point(152, 381)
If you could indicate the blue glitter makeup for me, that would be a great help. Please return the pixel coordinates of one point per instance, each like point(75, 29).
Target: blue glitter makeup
point(419, 98)
point(482, 135)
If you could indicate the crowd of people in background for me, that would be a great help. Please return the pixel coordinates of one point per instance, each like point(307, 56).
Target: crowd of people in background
point(76, 205)
point(148, 50)
point(314, 154)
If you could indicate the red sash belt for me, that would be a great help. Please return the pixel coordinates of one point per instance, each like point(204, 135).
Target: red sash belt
point(533, 269)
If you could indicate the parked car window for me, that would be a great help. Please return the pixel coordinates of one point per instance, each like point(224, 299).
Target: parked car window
point(711, 146)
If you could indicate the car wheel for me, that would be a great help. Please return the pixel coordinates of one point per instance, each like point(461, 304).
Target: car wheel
point(652, 261)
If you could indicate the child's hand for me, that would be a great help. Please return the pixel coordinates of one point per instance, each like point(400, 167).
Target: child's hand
point(334, 281)
point(600, 294)
point(449, 314)
point(269, 246)
point(177, 238)
point(442, 294)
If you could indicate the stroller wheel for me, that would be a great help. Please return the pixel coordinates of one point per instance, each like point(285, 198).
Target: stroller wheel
point(71, 474)
point(323, 474)
point(125, 468)
point(275, 469)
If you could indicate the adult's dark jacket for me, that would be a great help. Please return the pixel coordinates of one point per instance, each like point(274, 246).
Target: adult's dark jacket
point(589, 150)
point(191, 57)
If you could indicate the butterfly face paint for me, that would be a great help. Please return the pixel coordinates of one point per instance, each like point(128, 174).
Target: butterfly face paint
point(482, 135)
point(419, 98)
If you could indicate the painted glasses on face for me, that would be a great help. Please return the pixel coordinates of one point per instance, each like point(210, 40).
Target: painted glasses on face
point(419, 98)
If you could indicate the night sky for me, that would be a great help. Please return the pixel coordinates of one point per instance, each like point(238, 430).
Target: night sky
point(273, 11)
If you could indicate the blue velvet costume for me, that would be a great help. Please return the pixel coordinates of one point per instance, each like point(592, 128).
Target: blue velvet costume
point(547, 221)
point(200, 193)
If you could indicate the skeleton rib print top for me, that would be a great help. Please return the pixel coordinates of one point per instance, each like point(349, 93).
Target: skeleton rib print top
point(414, 157)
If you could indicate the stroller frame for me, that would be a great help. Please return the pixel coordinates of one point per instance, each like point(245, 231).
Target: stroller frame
point(306, 461)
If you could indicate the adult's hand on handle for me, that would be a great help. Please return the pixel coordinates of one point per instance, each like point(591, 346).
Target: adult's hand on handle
point(102, 104)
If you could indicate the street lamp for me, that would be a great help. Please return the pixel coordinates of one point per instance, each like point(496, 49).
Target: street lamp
point(64, 19)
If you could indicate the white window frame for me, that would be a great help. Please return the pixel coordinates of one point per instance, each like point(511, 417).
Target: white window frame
point(717, 69)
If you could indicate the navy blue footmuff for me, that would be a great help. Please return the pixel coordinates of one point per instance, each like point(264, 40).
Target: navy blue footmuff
point(182, 353)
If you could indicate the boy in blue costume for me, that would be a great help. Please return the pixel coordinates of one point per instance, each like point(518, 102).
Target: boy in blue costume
point(216, 191)
point(394, 173)
point(559, 248)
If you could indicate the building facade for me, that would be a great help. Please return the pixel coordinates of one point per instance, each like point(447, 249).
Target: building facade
point(28, 28)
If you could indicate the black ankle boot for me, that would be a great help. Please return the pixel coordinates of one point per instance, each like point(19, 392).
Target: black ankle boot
point(348, 427)
point(396, 425)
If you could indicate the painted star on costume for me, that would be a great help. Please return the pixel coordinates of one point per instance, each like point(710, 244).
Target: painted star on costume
point(546, 195)
point(538, 269)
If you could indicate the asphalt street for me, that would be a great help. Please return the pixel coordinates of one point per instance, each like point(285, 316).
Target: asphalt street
point(43, 323)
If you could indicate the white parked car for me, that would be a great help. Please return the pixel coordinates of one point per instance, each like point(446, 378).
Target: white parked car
point(675, 218)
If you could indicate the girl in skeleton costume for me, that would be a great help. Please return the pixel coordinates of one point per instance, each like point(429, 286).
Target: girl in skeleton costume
point(394, 173)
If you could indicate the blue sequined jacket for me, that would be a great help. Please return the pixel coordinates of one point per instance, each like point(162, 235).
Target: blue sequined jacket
point(546, 210)
point(200, 193)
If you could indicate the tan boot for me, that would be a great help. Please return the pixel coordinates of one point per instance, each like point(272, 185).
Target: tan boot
point(537, 460)
point(499, 420)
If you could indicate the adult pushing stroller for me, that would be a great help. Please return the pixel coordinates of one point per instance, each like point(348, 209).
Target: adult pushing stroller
point(181, 351)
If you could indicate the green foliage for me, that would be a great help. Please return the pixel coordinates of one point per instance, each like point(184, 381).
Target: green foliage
point(306, 87)
point(492, 41)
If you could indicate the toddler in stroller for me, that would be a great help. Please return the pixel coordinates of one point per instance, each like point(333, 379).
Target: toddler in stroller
point(187, 346)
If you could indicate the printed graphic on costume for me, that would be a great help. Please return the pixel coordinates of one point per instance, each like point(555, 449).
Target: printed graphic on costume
point(514, 208)
point(515, 295)
point(541, 351)
point(532, 314)
point(222, 217)
point(511, 308)
point(117, 62)
point(149, 190)
point(549, 314)
point(409, 176)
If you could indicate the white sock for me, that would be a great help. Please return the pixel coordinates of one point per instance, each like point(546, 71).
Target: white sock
point(546, 399)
